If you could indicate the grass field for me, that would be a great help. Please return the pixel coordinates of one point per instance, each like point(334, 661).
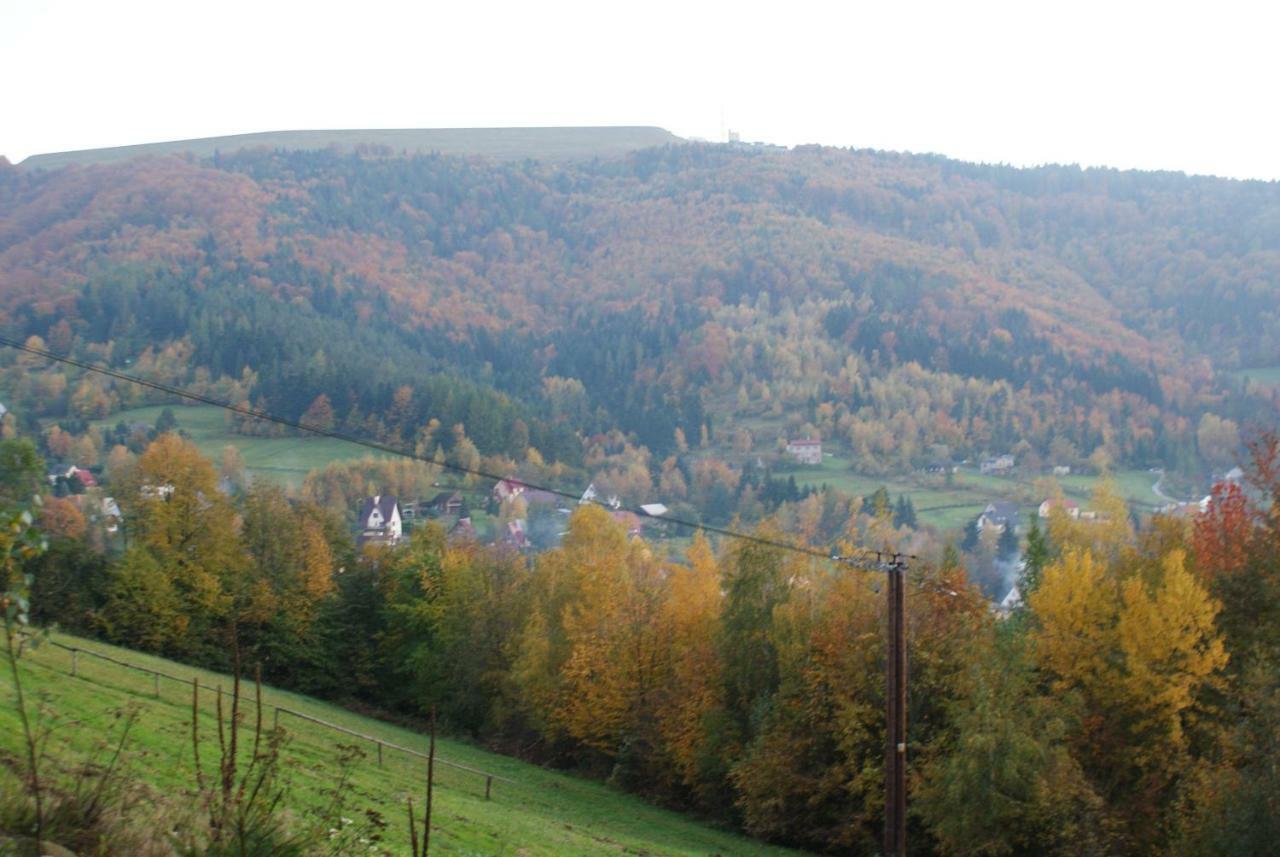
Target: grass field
point(952, 506)
point(539, 813)
point(284, 460)
point(500, 143)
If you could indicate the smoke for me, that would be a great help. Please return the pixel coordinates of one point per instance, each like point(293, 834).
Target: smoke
point(1009, 571)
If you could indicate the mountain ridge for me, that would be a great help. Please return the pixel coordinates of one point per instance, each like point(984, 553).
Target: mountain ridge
point(895, 305)
point(549, 142)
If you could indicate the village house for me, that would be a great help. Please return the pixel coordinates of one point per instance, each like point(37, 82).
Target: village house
point(516, 535)
point(111, 515)
point(507, 489)
point(156, 492)
point(379, 521)
point(463, 530)
point(998, 516)
point(1061, 470)
point(633, 523)
point(538, 497)
point(591, 495)
point(445, 504)
point(998, 465)
point(807, 451)
point(1068, 506)
point(87, 479)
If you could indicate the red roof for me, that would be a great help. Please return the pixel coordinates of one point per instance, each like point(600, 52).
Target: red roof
point(86, 478)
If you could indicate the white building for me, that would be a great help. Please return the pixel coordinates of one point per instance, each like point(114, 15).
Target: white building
point(380, 521)
point(806, 451)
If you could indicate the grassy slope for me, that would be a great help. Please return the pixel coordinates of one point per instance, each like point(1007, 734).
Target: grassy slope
point(543, 813)
point(952, 506)
point(284, 460)
point(501, 143)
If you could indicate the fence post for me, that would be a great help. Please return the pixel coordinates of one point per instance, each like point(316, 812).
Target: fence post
point(74, 656)
point(488, 784)
point(379, 754)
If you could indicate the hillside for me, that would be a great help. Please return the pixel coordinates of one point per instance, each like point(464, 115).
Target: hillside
point(632, 319)
point(501, 143)
point(537, 813)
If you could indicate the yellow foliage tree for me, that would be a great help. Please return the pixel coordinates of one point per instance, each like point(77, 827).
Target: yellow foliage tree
point(1103, 529)
point(593, 658)
point(1137, 651)
point(691, 614)
point(174, 508)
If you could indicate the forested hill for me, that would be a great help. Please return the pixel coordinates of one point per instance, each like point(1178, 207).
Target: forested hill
point(894, 304)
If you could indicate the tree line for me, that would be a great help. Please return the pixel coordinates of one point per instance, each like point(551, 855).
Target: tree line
point(1128, 706)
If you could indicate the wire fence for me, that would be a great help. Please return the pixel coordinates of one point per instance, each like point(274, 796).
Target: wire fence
point(81, 663)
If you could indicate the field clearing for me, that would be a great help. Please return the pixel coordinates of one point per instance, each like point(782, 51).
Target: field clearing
point(952, 506)
point(540, 813)
point(284, 461)
point(549, 143)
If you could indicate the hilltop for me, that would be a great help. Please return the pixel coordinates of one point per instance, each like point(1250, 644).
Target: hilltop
point(549, 143)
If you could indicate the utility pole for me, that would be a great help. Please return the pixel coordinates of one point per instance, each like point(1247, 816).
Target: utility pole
point(895, 697)
point(895, 753)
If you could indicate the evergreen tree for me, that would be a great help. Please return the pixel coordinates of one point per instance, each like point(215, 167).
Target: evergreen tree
point(166, 422)
point(904, 512)
point(971, 533)
point(1008, 546)
point(1035, 558)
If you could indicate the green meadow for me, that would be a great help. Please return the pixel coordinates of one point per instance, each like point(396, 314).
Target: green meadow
point(283, 460)
point(538, 812)
point(950, 504)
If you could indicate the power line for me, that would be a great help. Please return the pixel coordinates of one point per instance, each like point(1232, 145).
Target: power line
point(865, 561)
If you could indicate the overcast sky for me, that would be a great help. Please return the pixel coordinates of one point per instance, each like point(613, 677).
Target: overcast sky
point(1166, 85)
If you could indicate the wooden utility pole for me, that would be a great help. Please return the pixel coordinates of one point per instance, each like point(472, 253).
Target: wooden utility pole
point(895, 697)
point(895, 751)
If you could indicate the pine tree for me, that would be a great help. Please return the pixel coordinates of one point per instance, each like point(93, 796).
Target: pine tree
point(1034, 558)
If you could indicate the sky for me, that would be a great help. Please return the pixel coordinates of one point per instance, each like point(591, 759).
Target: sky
point(1169, 85)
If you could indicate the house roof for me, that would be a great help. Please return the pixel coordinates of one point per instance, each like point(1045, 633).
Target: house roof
point(808, 441)
point(1054, 502)
point(508, 486)
point(633, 522)
point(1001, 511)
point(86, 478)
point(536, 496)
point(463, 529)
point(384, 503)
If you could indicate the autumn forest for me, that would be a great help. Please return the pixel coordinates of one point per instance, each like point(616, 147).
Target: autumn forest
point(1087, 678)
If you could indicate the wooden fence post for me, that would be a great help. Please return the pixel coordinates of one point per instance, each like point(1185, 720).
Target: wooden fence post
point(488, 784)
point(379, 754)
